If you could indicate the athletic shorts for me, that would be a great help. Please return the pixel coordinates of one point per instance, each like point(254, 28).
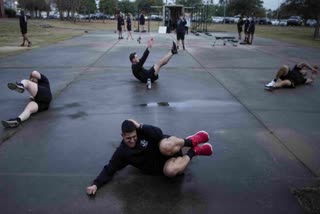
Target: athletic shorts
point(251, 30)
point(295, 77)
point(180, 36)
point(43, 98)
point(149, 74)
point(23, 30)
point(163, 158)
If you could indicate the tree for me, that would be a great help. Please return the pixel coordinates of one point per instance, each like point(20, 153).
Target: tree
point(146, 4)
point(306, 8)
point(126, 6)
point(2, 9)
point(189, 3)
point(246, 7)
point(34, 6)
point(108, 6)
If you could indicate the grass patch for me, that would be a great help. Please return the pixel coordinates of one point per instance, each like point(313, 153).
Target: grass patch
point(10, 35)
point(295, 35)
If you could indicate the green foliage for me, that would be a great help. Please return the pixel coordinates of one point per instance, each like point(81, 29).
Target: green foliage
point(189, 3)
point(127, 7)
point(10, 12)
point(146, 4)
point(246, 7)
point(305, 8)
point(81, 6)
point(108, 6)
point(34, 5)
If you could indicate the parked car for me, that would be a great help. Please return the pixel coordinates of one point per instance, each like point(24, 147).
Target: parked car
point(236, 19)
point(156, 18)
point(264, 21)
point(275, 22)
point(100, 16)
point(294, 21)
point(283, 22)
point(311, 22)
point(217, 19)
point(54, 16)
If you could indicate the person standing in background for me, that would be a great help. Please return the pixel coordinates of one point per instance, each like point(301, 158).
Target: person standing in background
point(187, 26)
point(240, 26)
point(181, 30)
point(24, 28)
point(129, 18)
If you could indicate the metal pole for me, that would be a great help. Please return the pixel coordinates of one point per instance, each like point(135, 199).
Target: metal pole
point(224, 11)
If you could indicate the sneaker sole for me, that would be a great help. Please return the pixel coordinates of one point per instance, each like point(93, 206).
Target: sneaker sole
point(210, 149)
point(8, 125)
point(268, 89)
point(14, 87)
point(200, 132)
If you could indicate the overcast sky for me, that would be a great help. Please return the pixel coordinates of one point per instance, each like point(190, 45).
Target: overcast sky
point(271, 4)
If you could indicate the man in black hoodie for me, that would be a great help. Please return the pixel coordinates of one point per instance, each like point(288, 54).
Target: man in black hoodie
point(143, 74)
point(148, 149)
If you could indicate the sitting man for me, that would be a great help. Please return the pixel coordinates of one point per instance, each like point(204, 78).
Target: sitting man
point(148, 149)
point(287, 77)
point(143, 74)
point(39, 88)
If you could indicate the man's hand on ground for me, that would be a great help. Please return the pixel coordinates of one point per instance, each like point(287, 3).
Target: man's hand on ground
point(91, 190)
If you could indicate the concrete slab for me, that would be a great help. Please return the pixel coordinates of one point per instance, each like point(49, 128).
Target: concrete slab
point(46, 163)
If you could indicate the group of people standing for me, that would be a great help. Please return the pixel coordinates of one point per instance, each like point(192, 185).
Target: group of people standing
point(249, 24)
point(121, 25)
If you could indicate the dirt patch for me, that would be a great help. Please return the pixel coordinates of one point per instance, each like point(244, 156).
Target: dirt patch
point(8, 49)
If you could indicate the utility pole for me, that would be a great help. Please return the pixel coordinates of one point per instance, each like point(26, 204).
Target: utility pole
point(224, 11)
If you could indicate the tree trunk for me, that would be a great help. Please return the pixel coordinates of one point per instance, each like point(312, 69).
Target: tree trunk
point(316, 34)
point(2, 9)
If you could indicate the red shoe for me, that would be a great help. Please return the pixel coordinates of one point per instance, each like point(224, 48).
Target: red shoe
point(199, 137)
point(204, 149)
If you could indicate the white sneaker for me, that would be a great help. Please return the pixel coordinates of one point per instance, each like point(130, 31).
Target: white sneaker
point(270, 84)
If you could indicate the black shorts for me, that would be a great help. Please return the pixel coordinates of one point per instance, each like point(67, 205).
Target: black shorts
point(180, 36)
point(23, 30)
point(119, 28)
point(295, 77)
point(251, 30)
point(129, 27)
point(148, 74)
point(42, 106)
point(43, 98)
point(163, 158)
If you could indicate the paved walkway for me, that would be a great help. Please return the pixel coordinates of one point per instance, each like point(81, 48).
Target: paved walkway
point(264, 143)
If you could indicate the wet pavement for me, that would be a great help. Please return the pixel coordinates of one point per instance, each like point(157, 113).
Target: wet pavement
point(265, 143)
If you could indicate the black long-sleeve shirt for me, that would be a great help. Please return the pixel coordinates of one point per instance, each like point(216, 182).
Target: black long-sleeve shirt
point(181, 25)
point(138, 70)
point(23, 24)
point(145, 155)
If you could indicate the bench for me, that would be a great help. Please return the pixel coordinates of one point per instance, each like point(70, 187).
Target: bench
point(226, 39)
